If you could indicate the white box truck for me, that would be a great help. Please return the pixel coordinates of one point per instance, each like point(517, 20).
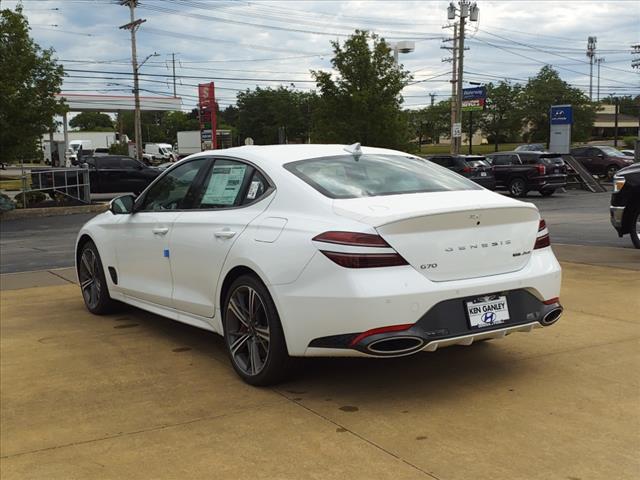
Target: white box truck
point(189, 143)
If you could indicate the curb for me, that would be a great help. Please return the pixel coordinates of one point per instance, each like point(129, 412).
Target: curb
point(52, 211)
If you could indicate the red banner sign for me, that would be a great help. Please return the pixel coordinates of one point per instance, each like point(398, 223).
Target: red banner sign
point(207, 106)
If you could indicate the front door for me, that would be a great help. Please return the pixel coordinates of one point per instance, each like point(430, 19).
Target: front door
point(143, 253)
point(233, 194)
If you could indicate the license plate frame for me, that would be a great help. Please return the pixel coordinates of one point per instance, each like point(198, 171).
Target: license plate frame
point(487, 311)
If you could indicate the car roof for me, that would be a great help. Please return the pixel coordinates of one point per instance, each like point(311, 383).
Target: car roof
point(281, 154)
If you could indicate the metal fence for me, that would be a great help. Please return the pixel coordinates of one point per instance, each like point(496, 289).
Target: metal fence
point(72, 183)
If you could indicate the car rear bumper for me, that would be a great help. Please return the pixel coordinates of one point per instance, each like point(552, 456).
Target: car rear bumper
point(331, 301)
point(549, 183)
point(486, 182)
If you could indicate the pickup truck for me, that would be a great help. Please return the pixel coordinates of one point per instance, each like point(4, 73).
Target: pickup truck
point(115, 173)
point(107, 174)
point(520, 172)
point(625, 203)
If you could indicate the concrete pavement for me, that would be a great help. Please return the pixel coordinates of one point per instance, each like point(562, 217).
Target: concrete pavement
point(134, 395)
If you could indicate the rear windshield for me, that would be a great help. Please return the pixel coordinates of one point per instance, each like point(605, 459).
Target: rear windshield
point(552, 160)
point(373, 175)
point(477, 162)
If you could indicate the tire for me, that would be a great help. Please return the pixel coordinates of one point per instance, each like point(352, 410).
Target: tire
point(610, 172)
point(93, 283)
point(547, 193)
point(635, 225)
point(518, 188)
point(255, 341)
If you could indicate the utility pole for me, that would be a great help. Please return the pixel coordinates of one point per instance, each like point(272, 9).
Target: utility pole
point(615, 128)
point(599, 60)
point(173, 62)
point(465, 10)
point(591, 53)
point(454, 62)
point(133, 26)
point(433, 98)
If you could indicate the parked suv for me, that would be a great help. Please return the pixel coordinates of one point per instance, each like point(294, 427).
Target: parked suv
point(625, 203)
point(601, 159)
point(474, 167)
point(522, 171)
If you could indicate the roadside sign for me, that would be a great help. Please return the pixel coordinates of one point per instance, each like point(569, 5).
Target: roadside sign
point(561, 115)
point(205, 135)
point(456, 131)
point(474, 99)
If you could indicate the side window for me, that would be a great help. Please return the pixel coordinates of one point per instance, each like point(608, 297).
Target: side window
point(130, 164)
point(257, 187)
point(502, 160)
point(443, 161)
point(173, 191)
point(109, 163)
point(225, 184)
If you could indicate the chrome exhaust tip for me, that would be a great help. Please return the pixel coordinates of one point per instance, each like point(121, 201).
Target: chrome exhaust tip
point(552, 316)
point(398, 345)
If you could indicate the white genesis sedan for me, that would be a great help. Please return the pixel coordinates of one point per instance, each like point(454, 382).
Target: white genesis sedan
point(322, 250)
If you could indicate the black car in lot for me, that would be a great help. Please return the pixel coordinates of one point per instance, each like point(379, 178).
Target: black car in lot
point(117, 173)
point(474, 167)
point(625, 203)
point(522, 171)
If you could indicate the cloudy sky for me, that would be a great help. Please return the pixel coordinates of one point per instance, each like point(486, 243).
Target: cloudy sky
point(241, 44)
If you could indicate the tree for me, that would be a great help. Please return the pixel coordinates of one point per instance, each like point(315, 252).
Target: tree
point(92, 121)
point(547, 89)
point(363, 103)
point(29, 79)
point(159, 127)
point(263, 112)
point(502, 120)
point(628, 105)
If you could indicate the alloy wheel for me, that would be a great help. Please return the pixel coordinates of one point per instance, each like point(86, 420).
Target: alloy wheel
point(517, 188)
point(248, 333)
point(89, 277)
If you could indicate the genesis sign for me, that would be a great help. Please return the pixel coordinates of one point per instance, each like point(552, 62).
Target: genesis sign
point(561, 115)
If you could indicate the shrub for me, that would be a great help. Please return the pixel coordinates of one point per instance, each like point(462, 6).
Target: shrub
point(31, 197)
point(630, 141)
point(119, 149)
point(6, 203)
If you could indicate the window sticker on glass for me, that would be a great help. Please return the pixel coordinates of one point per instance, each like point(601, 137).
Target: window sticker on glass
point(224, 185)
point(253, 190)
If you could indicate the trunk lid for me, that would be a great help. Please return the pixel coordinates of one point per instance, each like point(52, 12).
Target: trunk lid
point(451, 235)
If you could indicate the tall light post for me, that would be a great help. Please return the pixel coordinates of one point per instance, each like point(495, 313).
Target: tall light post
point(599, 60)
point(465, 10)
point(591, 53)
point(402, 47)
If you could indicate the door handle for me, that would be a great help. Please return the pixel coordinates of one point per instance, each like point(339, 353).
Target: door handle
point(226, 233)
point(160, 230)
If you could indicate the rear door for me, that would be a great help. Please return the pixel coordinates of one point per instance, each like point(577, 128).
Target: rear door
point(132, 178)
point(231, 196)
point(110, 173)
point(502, 168)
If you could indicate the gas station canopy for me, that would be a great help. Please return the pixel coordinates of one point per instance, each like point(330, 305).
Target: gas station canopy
point(113, 103)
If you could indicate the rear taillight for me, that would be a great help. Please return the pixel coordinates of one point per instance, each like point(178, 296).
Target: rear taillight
point(351, 254)
point(353, 239)
point(542, 239)
point(466, 169)
point(542, 170)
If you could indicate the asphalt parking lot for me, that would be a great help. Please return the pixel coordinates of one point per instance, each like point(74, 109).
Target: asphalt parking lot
point(575, 217)
point(135, 395)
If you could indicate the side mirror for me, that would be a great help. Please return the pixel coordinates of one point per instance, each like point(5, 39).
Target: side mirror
point(600, 155)
point(122, 205)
